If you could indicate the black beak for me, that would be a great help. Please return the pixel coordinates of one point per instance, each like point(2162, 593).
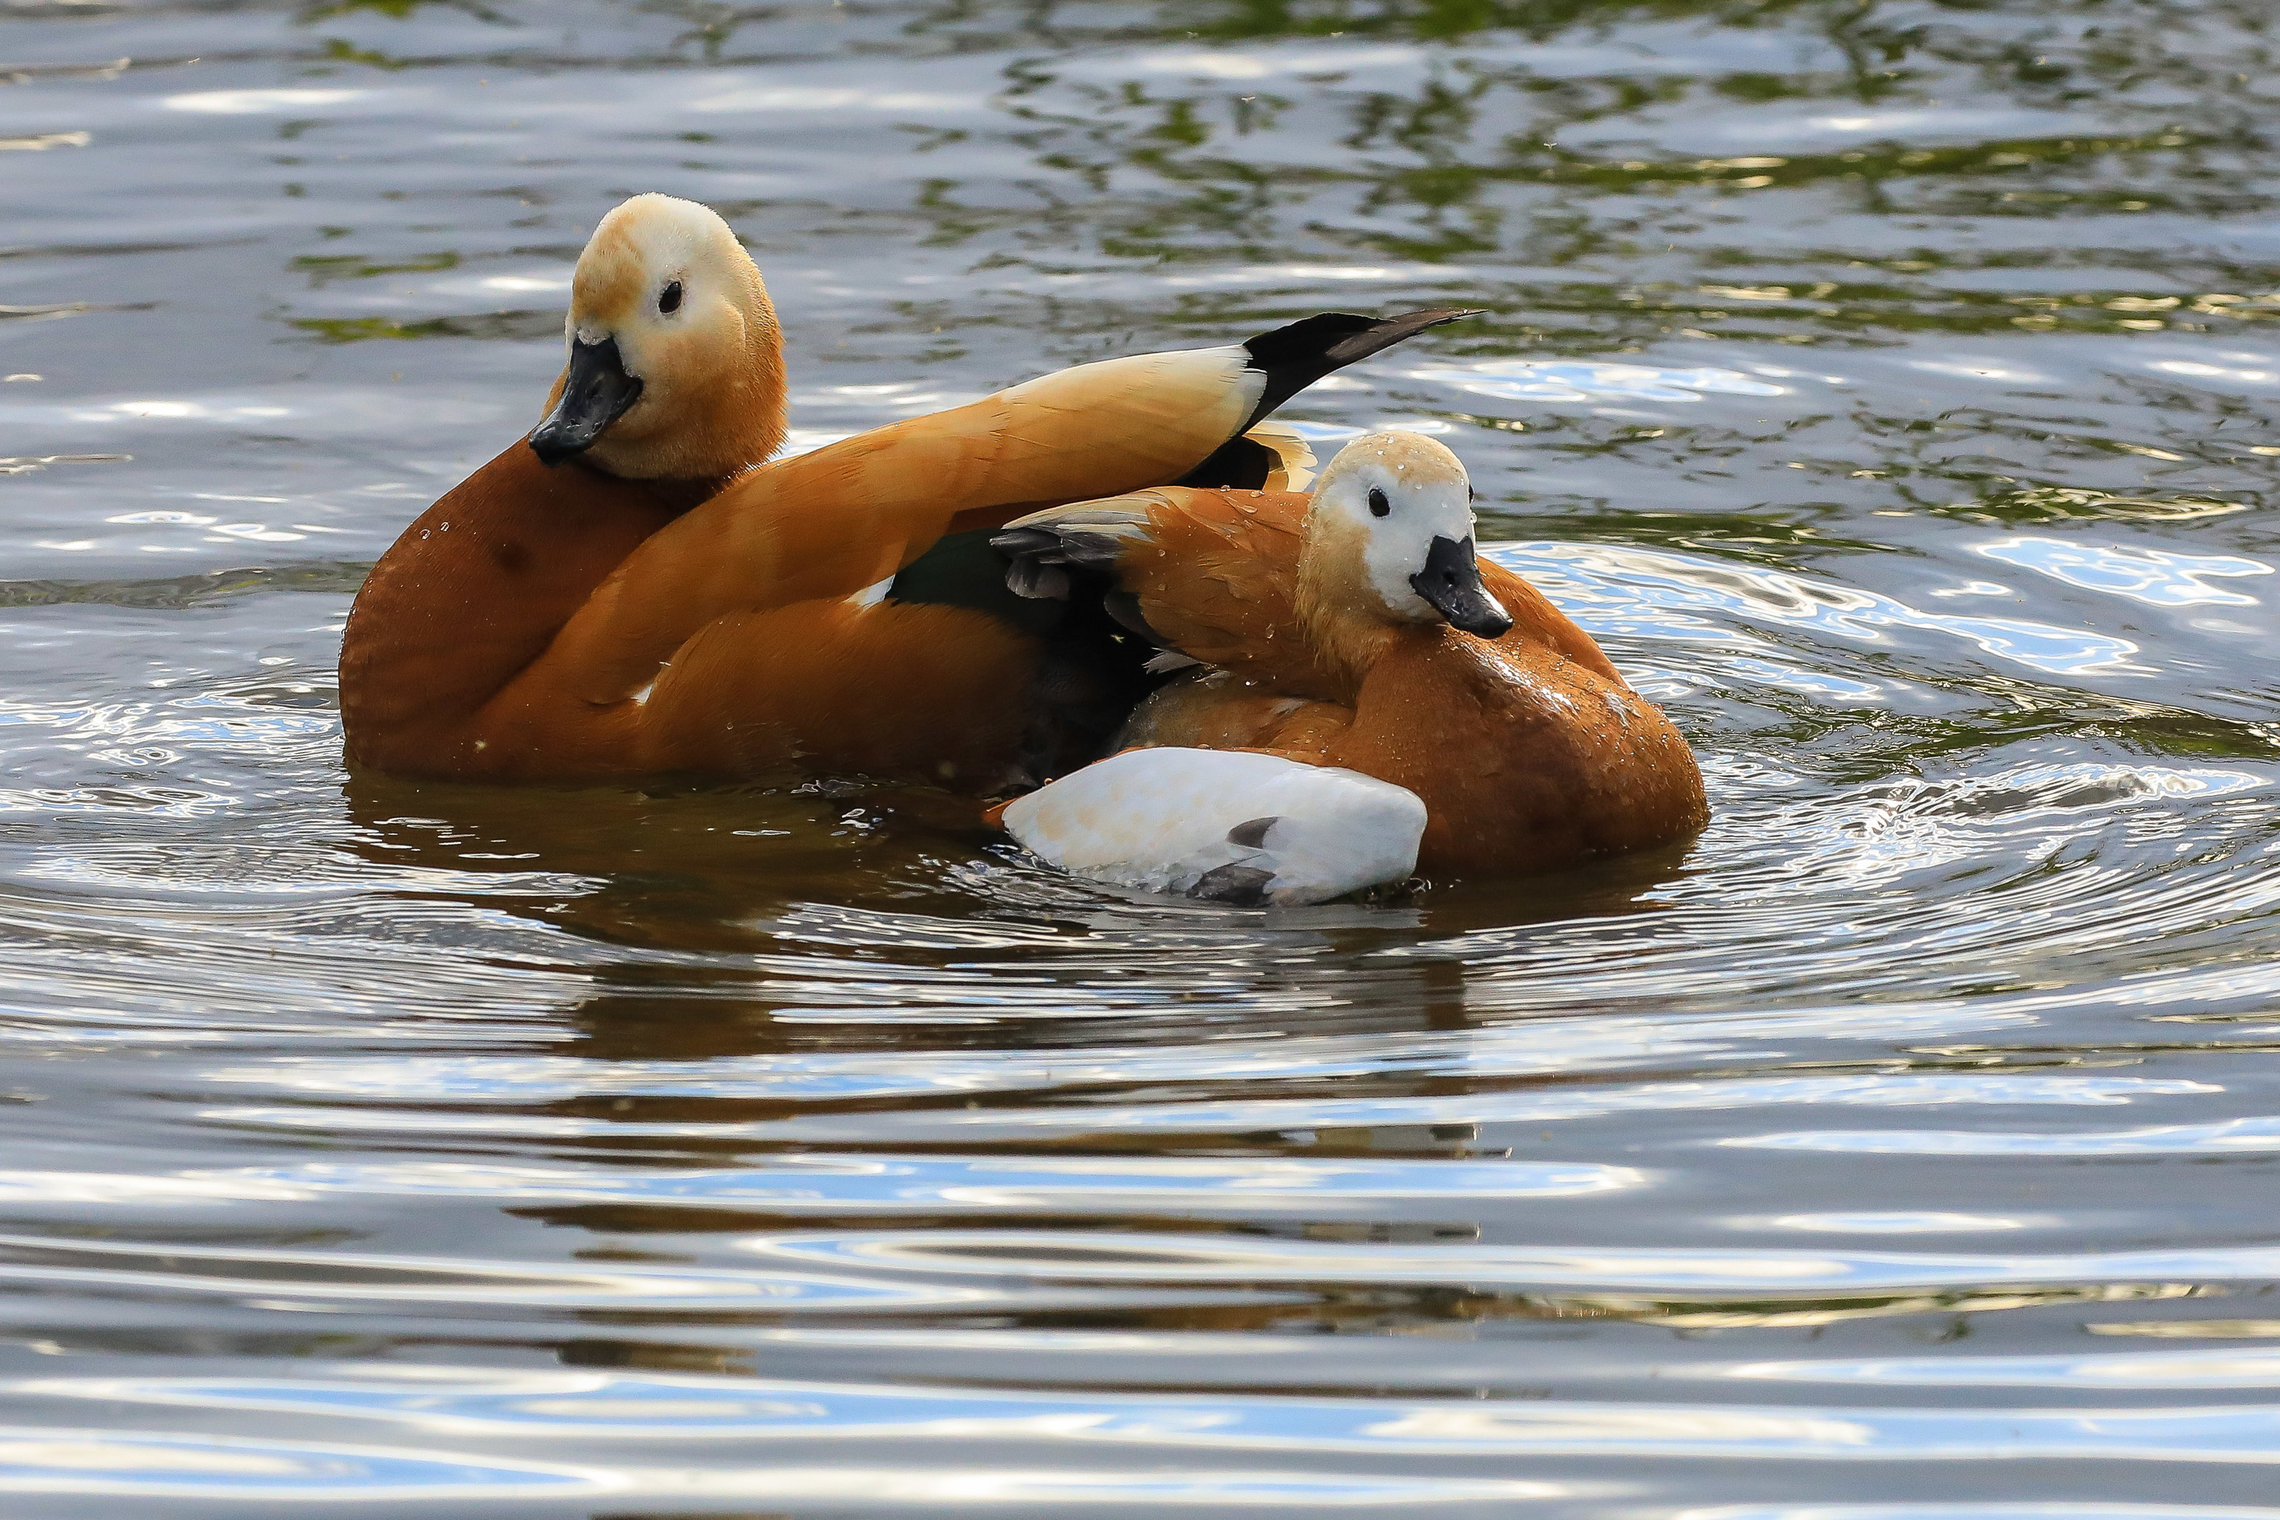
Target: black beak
point(1451, 582)
point(595, 393)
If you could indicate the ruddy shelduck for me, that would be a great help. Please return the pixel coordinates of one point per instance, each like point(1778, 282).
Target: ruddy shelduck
point(630, 591)
point(1360, 630)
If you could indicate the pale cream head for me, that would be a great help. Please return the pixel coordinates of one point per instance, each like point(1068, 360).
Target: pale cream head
point(668, 285)
point(1381, 508)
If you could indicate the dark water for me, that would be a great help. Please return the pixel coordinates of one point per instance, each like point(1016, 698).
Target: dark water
point(1888, 386)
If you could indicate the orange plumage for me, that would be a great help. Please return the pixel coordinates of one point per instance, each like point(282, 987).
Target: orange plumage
point(1528, 749)
point(628, 595)
point(1216, 575)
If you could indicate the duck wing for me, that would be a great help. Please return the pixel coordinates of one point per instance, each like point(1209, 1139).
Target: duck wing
point(1284, 362)
point(847, 518)
point(1206, 575)
point(1225, 825)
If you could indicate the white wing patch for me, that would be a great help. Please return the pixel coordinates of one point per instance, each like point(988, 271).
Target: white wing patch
point(1223, 824)
point(871, 595)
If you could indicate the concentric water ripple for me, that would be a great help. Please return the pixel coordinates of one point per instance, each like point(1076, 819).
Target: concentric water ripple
point(1889, 389)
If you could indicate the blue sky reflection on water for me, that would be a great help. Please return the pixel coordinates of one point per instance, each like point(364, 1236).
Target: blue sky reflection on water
point(1889, 386)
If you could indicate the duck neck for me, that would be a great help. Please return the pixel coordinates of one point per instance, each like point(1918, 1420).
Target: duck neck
point(747, 419)
point(1342, 626)
point(704, 435)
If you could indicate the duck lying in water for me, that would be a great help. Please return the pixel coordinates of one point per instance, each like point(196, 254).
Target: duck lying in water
point(1355, 631)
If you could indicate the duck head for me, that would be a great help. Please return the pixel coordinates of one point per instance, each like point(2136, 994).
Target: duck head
point(1391, 536)
point(676, 365)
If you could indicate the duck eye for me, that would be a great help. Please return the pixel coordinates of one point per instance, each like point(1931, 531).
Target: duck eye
point(1379, 506)
point(670, 301)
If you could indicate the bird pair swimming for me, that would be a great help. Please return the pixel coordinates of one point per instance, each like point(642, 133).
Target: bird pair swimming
point(639, 588)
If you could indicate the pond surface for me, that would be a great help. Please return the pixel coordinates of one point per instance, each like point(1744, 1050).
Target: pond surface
point(1888, 386)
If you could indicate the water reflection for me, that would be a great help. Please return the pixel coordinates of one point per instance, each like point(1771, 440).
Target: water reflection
point(1886, 387)
point(1541, 380)
point(2232, 1136)
point(588, 1405)
point(1636, 593)
point(2151, 576)
point(158, 1467)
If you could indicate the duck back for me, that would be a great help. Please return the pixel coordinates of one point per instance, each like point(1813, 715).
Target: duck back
point(1527, 760)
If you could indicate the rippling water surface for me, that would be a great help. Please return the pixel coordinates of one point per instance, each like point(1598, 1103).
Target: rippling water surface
point(1888, 386)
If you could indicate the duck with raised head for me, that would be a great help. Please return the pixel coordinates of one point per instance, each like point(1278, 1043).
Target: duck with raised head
point(631, 591)
point(1358, 629)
